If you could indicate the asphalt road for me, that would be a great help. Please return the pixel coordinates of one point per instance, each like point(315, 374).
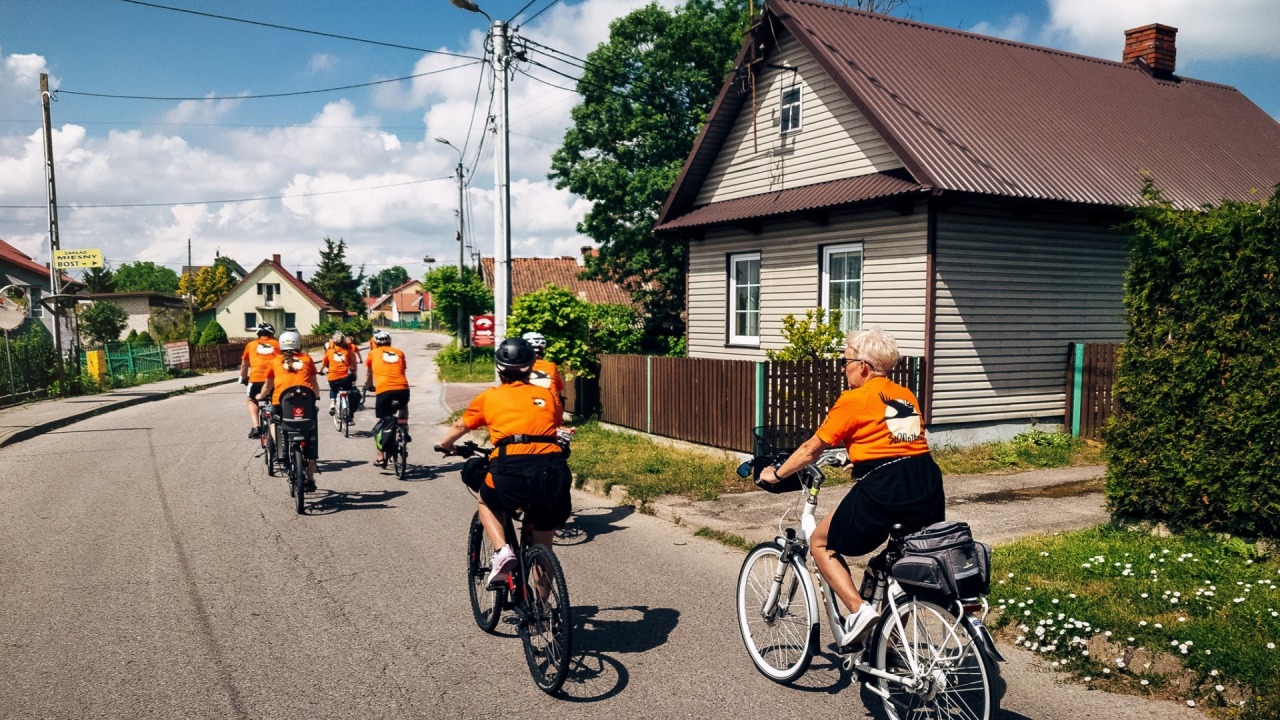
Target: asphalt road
point(151, 569)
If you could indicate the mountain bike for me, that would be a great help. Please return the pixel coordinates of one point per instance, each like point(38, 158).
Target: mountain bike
point(535, 590)
point(297, 430)
point(399, 455)
point(928, 657)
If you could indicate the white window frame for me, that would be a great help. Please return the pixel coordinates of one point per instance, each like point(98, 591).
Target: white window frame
point(732, 300)
point(790, 110)
point(848, 322)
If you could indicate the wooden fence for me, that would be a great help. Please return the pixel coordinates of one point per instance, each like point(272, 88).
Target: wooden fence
point(223, 356)
point(1090, 397)
point(709, 402)
point(801, 393)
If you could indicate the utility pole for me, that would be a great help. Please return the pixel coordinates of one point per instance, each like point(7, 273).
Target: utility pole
point(464, 337)
point(54, 245)
point(191, 288)
point(502, 179)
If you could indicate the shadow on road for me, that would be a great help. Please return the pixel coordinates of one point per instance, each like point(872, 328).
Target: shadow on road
point(333, 501)
point(594, 674)
point(586, 524)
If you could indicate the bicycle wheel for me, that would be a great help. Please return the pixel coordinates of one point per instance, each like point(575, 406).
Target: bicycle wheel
point(337, 414)
point(298, 475)
point(781, 642)
point(547, 631)
point(400, 458)
point(956, 680)
point(344, 415)
point(270, 453)
point(486, 605)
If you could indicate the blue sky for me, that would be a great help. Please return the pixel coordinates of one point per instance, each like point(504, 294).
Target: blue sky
point(362, 163)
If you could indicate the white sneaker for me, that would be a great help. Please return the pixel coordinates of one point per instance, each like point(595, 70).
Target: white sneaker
point(858, 624)
point(500, 567)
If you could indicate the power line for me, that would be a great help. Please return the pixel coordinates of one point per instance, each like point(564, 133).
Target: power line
point(299, 30)
point(259, 97)
point(535, 15)
point(475, 104)
point(234, 200)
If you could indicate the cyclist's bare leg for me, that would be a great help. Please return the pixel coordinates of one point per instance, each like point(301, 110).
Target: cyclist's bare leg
point(252, 402)
point(833, 567)
point(492, 523)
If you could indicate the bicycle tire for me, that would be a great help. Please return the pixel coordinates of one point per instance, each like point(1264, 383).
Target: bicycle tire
point(959, 680)
point(344, 412)
point(486, 605)
point(337, 414)
point(270, 453)
point(298, 475)
point(780, 646)
point(400, 458)
point(547, 631)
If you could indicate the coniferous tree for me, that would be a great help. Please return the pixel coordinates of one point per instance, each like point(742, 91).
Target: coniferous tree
point(333, 279)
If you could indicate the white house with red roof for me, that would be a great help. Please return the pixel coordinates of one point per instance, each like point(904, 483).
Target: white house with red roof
point(405, 303)
point(272, 294)
point(17, 268)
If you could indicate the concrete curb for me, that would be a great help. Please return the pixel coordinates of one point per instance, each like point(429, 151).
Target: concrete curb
point(36, 430)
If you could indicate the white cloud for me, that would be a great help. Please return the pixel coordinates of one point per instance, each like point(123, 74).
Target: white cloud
point(1223, 29)
point(201, 111)
point(321, 62)
point(1017, 28)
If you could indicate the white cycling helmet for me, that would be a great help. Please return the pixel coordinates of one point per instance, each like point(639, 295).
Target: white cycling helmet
point(538, 342)
point(382, 337)
point(290, 341)
point(338, 338)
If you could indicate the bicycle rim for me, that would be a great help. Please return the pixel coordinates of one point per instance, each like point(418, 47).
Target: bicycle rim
point(270, 454)
point(486, 605)
point(400, 458)
point(299, 474)
point(781, 643)
point(344, 412)
point(955, 677)
point(547, 631)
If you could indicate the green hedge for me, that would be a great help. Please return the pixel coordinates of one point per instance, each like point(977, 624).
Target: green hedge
point(1196, 440)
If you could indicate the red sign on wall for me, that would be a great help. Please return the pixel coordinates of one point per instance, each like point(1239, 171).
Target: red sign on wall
point(482, 330)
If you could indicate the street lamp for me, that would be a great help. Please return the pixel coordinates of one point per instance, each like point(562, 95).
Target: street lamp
point(461, 204)
point(501, 171)
point(431, 315)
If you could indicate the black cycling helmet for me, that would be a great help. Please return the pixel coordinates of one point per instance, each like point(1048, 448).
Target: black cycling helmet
point(266, 329)
point(514, 357)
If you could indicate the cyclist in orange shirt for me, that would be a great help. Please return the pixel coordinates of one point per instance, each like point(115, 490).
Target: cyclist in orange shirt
point(545, 372)
point(527, 469)
point(385, 374)
point(341, 358)
point(254, 363)
point(878, 422)
point(291, 368)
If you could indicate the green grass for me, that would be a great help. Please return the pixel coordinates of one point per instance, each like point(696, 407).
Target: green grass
point(649, 470)
point(1028, 451)
point(724, 538)
point(471, 365)
point(1212, 604)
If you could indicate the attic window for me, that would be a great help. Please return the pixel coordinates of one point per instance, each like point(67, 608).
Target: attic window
point(790, 109)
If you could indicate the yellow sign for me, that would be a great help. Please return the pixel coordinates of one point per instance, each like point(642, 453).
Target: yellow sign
point(67, 259)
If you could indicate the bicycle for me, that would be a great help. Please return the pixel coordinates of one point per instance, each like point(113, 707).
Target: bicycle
point(928, 656)
point(342, 416)
point(297, 429)
point(399, 454)
point(264, 436)
point(535, 590)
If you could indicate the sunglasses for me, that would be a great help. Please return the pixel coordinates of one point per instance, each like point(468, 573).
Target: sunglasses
point(847, 361)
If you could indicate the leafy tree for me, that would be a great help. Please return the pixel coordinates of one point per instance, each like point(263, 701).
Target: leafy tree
point(565, 321)
point(614, 329)
point(100, 279)
point(227, 264)
point(817, 336)
point(356, 328)
point(207, 286)
point(145, 276)
point(171, 325)
point(645, 94)
point(102, 322)
point(386, 280)
point(333, 279)
point(144, 338)
point(212, 334)
point(449, 293)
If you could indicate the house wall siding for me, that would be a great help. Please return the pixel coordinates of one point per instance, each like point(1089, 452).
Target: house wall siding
point(1011, 294)
point(233, 307)
point(894, 278)
point(834, 141)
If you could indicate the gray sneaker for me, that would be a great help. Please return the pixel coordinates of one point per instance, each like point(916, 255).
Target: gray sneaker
point(858, 624)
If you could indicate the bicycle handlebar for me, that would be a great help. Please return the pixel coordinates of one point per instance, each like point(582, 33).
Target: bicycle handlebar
point(464, 450)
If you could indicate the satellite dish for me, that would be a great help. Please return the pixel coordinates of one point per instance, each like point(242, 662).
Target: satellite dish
point(12, 314)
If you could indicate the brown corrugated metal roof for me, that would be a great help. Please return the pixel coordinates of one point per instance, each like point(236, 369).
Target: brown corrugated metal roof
point(809, 197)
point(531, 274)
point(977, 114)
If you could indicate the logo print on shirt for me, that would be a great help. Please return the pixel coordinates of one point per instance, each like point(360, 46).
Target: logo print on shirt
point(390, 357)
point(540, 378)
point(266, 349)
point(902, 419)
point(539, 402)
point(340, 357)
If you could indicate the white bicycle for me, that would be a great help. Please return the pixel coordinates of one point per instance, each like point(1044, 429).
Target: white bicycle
point(928, 657)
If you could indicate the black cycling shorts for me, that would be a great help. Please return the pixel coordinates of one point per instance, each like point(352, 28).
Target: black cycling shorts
point(538, 484)
point(904, 490)
point(383, 407)
point(312, 448)
point(254, 389)
point(335, 386)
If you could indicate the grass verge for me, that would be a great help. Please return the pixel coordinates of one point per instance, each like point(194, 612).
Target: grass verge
point(1191, 617)
point(465, 365)
point(724, 538)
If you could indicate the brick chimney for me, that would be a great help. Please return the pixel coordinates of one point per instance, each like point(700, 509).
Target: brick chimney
point(299, 274)
point(275, 259)
point(1152, 44)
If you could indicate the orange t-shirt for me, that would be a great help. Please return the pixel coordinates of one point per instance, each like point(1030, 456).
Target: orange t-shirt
point(341, 359)
point(300, 370)
point(879, 420)
point(260, 353)
point(387, 368)
point(547, 375)
point(514, 409)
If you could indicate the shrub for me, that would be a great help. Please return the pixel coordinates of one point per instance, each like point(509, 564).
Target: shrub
point(102, 322)
point(1193, 443)
point(212, 334)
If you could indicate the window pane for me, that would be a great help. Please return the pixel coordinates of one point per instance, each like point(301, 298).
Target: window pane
point(844, 287)
point(290, 320)
point(250, 321)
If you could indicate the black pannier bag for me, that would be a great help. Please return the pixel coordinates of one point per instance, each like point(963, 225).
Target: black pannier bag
point(383, 437)
point(945, 562)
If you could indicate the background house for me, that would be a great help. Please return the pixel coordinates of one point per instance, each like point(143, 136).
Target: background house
point(16, 268)
point(963, 192)
point(406, 303)
point(270, 293)
point(531, 274)
point(140, 306)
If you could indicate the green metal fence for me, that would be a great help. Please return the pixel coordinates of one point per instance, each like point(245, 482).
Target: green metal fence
point(124, 360)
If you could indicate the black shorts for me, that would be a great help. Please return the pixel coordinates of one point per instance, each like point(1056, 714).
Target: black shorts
point(538, 484)
point(312, 447)
point(905, 490)
point(254, 389)
point(336, 386)
point(383, 407)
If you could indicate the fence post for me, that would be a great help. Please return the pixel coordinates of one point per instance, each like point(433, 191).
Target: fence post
point(1077, 386)
point(648, 394)
point(760, 374)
